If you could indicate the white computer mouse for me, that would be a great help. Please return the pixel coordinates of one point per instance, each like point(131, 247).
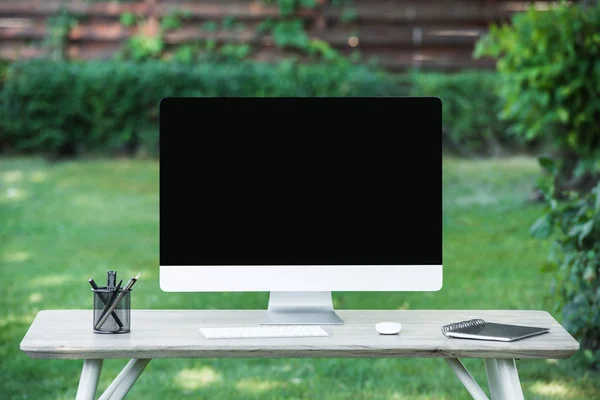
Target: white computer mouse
point(388, 328)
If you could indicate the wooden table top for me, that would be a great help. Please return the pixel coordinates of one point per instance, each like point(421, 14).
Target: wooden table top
point(68, 334)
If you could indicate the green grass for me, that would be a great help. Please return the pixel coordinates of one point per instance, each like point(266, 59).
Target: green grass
point(62, 223)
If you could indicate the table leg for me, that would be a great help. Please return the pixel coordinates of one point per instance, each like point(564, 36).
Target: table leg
point(88, 382)
point(122, 384)
point(466, 378)
point(503, 379)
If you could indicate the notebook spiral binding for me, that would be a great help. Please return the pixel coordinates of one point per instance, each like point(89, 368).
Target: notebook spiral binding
point(461, 325)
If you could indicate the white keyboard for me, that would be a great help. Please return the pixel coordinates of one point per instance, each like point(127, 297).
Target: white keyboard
point(270, 331)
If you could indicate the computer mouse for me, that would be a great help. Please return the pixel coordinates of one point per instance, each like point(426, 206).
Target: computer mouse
point(388, 328)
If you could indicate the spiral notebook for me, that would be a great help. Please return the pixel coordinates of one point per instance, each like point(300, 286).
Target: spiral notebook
point(482, 330)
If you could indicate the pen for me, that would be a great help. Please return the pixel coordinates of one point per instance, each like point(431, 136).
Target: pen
point(114, 314)
point(119, 297)
point(105, 311)
point(111, 279)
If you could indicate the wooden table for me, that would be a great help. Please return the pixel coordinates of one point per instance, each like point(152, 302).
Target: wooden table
point(67, 334)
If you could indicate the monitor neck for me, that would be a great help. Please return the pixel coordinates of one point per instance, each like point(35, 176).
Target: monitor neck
point(301, 308)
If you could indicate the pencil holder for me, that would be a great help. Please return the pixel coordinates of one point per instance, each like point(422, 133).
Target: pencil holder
point(112, 311)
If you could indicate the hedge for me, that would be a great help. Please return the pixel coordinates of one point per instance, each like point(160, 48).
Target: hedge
point(67, 108)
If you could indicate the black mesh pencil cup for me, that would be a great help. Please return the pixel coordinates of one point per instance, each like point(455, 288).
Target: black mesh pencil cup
point(112, 311)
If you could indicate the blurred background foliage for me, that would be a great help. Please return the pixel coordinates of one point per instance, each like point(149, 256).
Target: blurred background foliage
point(549, 85)
point(172, 53)
point(549, 82)
point(541, 99)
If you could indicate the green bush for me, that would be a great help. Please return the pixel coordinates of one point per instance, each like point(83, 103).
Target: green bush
point(64, 108)
point(574, 259)
point(549, 63)
point(470, 111)
point(69, 108)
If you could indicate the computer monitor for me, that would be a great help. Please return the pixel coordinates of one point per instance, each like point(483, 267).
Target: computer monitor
point(300, 197)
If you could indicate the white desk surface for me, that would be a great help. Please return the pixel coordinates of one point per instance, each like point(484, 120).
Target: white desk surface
point(68, 334)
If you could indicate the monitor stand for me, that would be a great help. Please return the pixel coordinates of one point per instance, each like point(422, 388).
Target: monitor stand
point(301, 308)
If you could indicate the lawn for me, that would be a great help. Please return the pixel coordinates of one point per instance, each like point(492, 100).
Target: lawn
point(62, 223)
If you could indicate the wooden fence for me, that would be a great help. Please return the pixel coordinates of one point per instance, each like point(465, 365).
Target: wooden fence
point(432, 34)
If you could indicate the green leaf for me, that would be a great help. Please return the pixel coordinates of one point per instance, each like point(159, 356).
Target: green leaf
point(228, 22)
point(542, 228)
point(210, 45)
point(286, 7)
point(290, 33)
point(585, 230)
point(265, 26)
point(184, 54)
point(589, 274)
point(170, 22)
point(127, 19)
point(547, 163)
point(563, 115)
point(588, 354)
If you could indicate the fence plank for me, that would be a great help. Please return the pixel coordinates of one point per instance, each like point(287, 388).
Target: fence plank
point(433, 34)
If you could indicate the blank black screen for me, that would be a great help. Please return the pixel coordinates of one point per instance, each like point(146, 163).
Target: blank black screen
point(300, 181)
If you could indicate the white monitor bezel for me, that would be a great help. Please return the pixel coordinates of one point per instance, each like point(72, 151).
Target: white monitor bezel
point(232, 278)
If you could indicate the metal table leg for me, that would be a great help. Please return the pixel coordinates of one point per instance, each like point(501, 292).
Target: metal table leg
point(467, 380)
point(121, 385)
point(503, 379)
point(88, 382)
